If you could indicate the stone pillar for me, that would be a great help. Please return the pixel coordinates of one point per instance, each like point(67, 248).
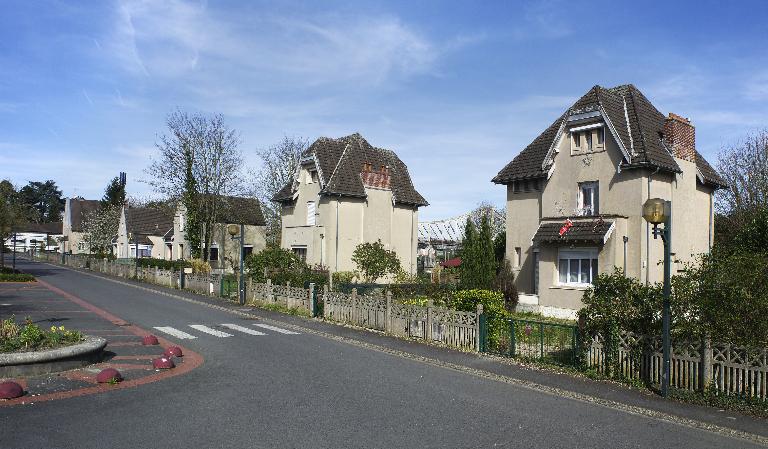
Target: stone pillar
point(478, 328)
point(311, 293)
point(354, 313)
point(388, 313)
point(268, 294)
point(428, 332)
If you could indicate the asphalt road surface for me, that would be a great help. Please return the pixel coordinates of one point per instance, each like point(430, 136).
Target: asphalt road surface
point(260, 387)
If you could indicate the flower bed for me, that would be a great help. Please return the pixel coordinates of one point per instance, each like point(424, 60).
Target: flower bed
point(28, 336)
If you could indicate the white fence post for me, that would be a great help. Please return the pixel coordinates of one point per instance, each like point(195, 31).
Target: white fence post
point(354, 314)
point(311, 292)
point(477, 327)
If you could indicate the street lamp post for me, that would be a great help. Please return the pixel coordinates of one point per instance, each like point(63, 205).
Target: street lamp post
point(239, 234)
point(658, 211)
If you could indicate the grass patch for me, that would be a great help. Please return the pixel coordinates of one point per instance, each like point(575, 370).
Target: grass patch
point(8, 274)
point(713, 398)
point(531, 316)
point(27, 336)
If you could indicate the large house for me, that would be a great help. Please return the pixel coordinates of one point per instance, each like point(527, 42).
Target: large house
point(575, 197)
point(75, 212)
point(160, 232)
point(346, 192)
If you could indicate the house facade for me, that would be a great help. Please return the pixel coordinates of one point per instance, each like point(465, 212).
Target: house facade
point(224, 251)
point(75, 212)
point(147, 230)
point(346, 192)
point(575, 197)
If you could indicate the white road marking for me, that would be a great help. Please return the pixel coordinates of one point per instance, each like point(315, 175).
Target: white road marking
point(277, 329)
point(242, 329)
point(209, 330)
point(175, 332)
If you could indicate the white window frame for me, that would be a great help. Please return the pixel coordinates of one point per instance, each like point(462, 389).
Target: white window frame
point(575, 259)
point(581, 208)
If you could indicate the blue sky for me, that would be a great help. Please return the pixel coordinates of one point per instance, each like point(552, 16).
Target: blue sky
point(457, 89)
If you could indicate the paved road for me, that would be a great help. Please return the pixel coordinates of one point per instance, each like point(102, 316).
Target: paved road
point(302, 390)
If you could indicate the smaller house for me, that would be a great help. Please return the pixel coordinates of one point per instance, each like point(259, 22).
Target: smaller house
point(145, 230)
point(75, 212)
point(346, 192)
point(224, 253)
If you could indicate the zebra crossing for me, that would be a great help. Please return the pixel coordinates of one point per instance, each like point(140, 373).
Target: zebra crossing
point(205, 330)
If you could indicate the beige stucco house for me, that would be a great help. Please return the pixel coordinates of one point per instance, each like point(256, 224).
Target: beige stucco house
point(346, 192)
point(75, 212)
point(161, 233)
point(594, 167)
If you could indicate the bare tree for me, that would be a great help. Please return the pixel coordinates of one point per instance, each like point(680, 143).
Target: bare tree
point(278, 168)
point(199, 161)
point(744, 167)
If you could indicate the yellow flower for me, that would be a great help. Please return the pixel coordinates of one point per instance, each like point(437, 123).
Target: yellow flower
point(61, 328)
point(53, 328)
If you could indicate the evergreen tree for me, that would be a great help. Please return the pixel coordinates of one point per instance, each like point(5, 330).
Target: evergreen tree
point(114, 194)
point(467, 269)
point(486, 258)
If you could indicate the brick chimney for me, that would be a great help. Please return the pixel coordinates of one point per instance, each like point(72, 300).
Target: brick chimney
point(377, 180)
point(680, 136)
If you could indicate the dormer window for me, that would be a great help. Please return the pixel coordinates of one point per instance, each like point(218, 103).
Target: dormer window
point(587, 138)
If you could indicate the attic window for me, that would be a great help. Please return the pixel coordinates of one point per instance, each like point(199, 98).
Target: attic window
point(587, 139)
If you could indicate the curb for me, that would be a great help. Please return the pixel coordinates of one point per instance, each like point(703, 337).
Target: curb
point(52, 360)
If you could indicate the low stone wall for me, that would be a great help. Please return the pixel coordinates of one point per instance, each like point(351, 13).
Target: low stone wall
point(53, 360)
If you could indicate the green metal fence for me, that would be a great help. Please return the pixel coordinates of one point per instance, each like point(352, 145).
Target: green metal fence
point(538, 340)
point(229, 287)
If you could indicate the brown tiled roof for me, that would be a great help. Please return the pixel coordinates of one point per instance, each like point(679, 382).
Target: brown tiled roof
point(639, 129)
point(147, 220)
point(340, 162)
point(708, 173)
point(79, 209)
point(41, 228)
point(580, 232)
point(237, 209)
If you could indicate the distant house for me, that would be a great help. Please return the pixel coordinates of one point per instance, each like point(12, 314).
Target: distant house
point(36, 236)
point(346, 192)
point(224, 252)
point(75, 212)
point(575, 197)
point(146, 230)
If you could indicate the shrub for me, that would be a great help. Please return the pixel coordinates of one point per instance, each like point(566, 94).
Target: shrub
point(200, 266)
point(175, 265)
point(505, 283)
point(280, 264)
point(374, 261)
point(493, 308)
point(343, 277)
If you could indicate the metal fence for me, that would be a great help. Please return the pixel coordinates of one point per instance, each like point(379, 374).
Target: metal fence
point(535, 340)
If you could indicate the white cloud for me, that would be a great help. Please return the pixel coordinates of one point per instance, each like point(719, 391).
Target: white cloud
point(169, 39)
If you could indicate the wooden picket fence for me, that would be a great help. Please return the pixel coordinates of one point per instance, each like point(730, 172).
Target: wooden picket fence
point(451, 327)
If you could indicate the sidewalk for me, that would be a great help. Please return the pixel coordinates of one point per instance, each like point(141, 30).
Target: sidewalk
point(610, 394)
point(47, 306)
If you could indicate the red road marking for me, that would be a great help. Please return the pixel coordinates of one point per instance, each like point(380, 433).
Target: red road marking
point(191, 359)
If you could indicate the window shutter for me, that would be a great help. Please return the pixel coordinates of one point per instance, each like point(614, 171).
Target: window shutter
point(310, 213)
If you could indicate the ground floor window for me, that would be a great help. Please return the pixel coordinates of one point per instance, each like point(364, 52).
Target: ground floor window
point(301, 252)
point(213, 254)
point(247, 251)
point(577, 267)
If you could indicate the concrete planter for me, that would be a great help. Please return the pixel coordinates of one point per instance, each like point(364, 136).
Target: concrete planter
point(53, 360)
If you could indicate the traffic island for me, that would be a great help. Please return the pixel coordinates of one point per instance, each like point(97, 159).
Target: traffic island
point(18, 364)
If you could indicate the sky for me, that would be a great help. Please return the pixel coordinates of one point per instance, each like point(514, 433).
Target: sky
point(456, 89)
